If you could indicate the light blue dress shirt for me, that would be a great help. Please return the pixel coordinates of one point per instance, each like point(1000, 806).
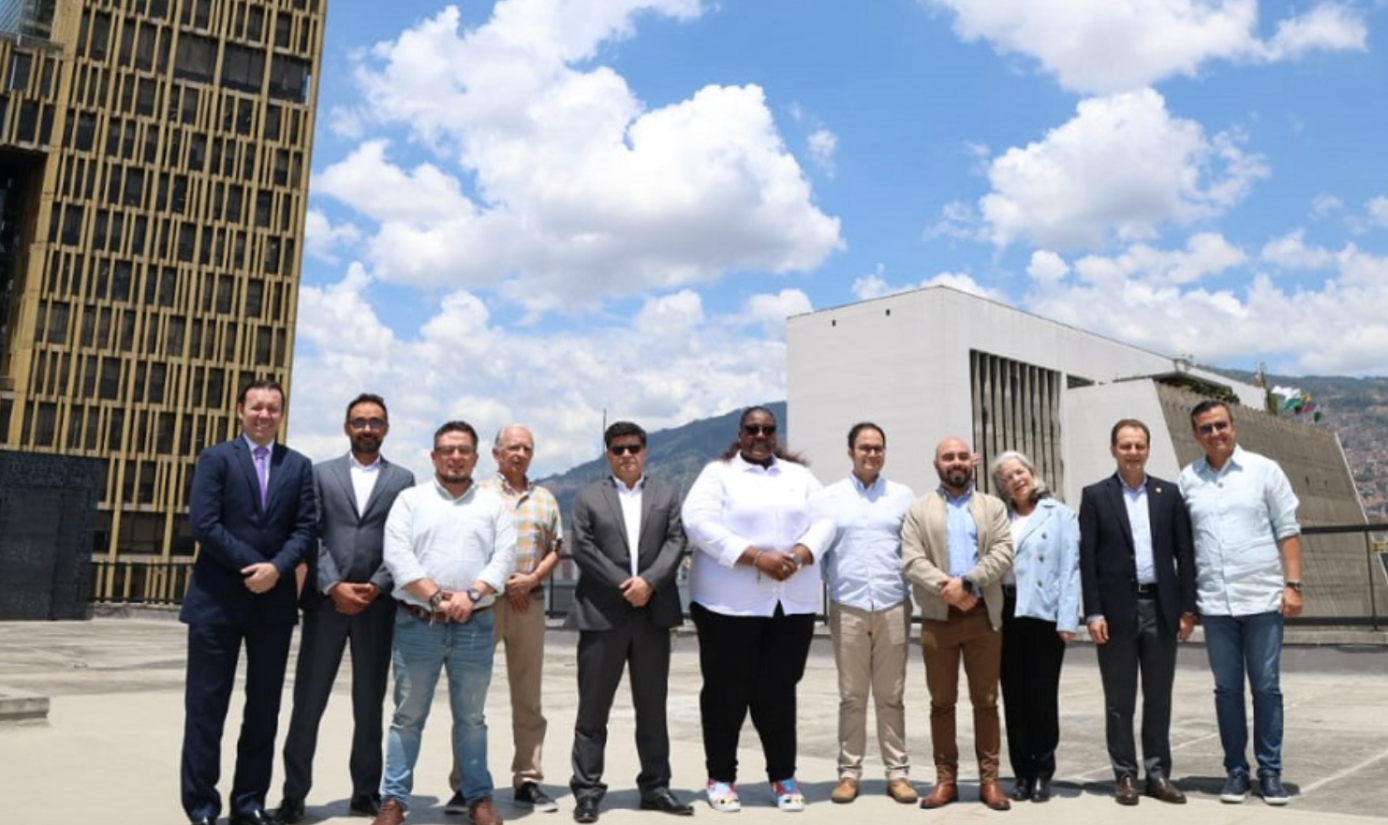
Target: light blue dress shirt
point(1140, 521)
point(961, 533)
point(862, 567)
point(1238, 514)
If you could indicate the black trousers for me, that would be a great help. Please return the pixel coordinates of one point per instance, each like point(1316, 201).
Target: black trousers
point(213, 652)
point(325, 634)
point(1032, 653)
point(643, 649)
point(1149, 650)
point(750, 663)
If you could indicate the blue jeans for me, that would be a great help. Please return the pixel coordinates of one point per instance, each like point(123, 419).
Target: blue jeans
point(1253, 645)
point(419, 651)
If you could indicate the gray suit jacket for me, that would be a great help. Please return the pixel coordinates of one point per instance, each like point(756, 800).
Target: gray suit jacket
point(925, 552)
point(350, 543)
point(603, 555)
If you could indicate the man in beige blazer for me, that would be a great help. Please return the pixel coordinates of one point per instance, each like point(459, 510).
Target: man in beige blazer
point(955, 547)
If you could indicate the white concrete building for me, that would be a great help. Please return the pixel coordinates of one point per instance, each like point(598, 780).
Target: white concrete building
point(937, 362)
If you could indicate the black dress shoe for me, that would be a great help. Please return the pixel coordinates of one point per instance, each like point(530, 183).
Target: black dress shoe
point(668, 803)
point(289, 811)
point(1041, 791)
point(252, 818)
point(203, 820)
point(1021, 789)
point(586, 810)
point(364, 804)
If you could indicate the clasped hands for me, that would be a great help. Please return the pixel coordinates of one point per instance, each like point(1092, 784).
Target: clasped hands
point(351, 598)
point(956, 594)
point(779, 566)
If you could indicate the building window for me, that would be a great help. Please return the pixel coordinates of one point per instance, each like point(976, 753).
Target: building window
point(1017, 407)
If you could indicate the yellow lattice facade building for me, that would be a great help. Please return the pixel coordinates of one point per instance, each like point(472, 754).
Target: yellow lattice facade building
point(154, 168)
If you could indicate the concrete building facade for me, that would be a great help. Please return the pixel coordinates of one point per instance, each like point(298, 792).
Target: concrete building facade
point(154, 168)
point(938, 362)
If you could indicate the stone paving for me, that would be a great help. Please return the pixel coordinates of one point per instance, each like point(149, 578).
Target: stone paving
point(109, 747)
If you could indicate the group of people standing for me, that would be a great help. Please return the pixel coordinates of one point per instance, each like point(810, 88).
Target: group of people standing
point(1004, 582)
point(429, 578)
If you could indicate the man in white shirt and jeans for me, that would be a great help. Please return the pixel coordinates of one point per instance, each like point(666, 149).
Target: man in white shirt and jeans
point(449, 548)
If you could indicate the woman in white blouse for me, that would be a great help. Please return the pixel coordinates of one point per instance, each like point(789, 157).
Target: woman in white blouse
point(1041, 606)
point(758, 523)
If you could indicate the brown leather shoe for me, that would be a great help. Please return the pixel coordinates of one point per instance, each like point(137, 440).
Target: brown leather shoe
point(991, 794)
point(1125, 793)
point(844, 792)
point(481, 812)
point(391, 813)
point(1159, 787)
point(941, 795)
point(901, 790)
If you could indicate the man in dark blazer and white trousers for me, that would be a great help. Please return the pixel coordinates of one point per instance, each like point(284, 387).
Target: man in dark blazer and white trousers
point(1137, 571)
point(628, 544)
point(252, 509)
point(347, 599)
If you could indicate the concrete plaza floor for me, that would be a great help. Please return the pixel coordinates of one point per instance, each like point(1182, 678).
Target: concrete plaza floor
point(109, 748)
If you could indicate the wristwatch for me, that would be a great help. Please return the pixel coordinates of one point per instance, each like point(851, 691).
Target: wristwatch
point(1295, 586)
point(437, 599)
point(474, 595)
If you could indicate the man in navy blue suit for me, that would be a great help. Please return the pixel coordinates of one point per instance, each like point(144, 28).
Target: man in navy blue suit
point(1137, 572)
point(253, 511)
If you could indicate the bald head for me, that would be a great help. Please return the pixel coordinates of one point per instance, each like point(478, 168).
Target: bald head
point(954, 464)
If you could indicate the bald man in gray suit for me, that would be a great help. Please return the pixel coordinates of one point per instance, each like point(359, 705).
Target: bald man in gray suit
point(347, 600)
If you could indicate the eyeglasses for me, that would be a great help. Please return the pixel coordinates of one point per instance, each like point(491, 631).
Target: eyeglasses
point(1212, 427)
point(870, 449)
point(625, 449)
point(367, 423)
point(462, 451)
point(759, 429)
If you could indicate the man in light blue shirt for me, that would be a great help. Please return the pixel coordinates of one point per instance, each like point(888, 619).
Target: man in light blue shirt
point(869, 613)
point(1248, 578)
point(449, 547)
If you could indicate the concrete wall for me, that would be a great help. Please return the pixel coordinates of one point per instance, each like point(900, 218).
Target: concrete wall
point(903, 362)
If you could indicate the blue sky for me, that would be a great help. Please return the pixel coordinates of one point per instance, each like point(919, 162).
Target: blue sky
point(549, 211)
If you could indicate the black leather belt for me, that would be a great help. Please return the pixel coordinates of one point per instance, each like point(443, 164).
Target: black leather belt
point(432, 616)
point(1145, 591)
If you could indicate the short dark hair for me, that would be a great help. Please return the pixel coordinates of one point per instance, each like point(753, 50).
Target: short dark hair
point(618, 429)
point(1128, 422)
point(1208, 405)
point(859, 427)
point(455, 427)
point(367, 398)
point(780, 451)
point(262, 384)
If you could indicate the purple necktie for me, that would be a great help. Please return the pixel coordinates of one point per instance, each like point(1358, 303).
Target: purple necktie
point(262, 471)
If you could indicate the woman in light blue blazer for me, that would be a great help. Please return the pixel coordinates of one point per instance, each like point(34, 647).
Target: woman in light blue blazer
point(1040, 614)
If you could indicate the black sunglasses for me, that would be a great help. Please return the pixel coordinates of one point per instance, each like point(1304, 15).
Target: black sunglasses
point(759, 429)
point(625, 449)
point(1213, 427)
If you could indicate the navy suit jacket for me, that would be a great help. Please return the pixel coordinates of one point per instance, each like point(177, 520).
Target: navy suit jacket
point(1108, 566)
point(233, 531)
point(603, 555)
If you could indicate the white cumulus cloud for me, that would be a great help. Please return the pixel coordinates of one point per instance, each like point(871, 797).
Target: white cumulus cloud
point(552, 183)
point(1109, 46)
point(1121, 168)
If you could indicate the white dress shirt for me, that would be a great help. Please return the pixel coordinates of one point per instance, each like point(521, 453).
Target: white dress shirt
point(734, 505)
point(451, 541)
